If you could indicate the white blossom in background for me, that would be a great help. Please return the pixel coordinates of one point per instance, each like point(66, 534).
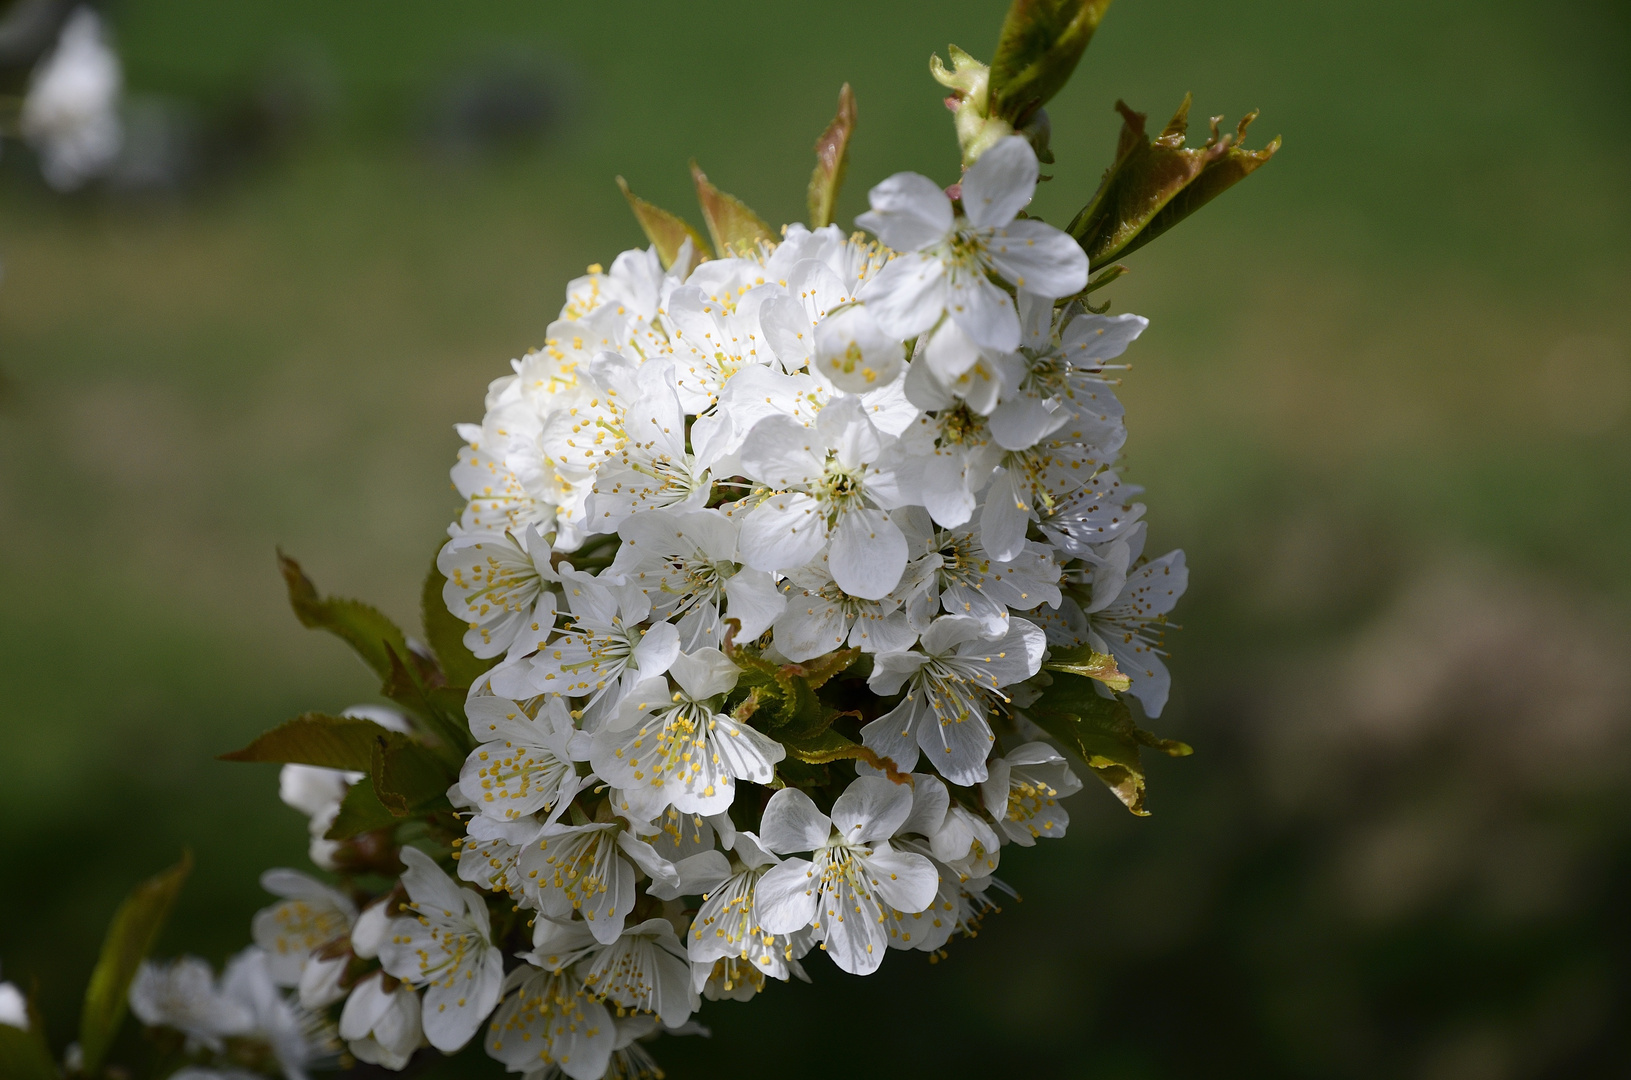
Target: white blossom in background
point(70, 113)
point(381, 1025)
point(309, 915)
point(184, 995)
point(13, 1006)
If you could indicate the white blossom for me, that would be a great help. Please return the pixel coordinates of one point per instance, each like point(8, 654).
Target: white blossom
point(946, 256)
point(70, 114)
point(183, 994)
point(853, 875)
point(548, 1018)
point(823, 483)
point(950, 681)
point(688, 566)
point(444, 946)
point(311, 914)
point(728, 947)
point(382, 1026)
point(1023, 792)
point(600, 656)
point(674, 747)
point(497, 583)
point(522, 764)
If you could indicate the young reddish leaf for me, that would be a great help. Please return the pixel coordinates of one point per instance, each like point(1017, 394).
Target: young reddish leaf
point(735, 229)
point(331, 742)
point(364, 628)
point(667, 232)
point(1101, 732)
point(832, 159)
point(1040, 45)
point(1153, 185)
point(130, 937)
point(407, 776)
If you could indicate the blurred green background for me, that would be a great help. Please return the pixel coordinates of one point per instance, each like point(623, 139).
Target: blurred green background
point(1384, 404)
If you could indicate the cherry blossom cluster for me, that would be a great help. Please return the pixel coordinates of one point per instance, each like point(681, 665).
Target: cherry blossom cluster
point(883, 471)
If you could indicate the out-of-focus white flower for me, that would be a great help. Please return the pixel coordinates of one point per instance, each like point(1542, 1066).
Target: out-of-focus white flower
point(184, 995)
point(13, 1006)
point(853, 877)
point(71, 112)
point(299, 1038)
point(310, 914)
point(947, 256)
point(318, 792)
point(445, 947)
point(382, 1026)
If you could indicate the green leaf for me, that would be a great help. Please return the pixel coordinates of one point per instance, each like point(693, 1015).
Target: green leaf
point(667, 232)
point(24, 1055)
point(1153, 185)
point(735, 229)
point(832, 159)
point(131, 934)
point(441, 707)
point(1040, 45)
point(444, 631)
point(364, 628)
point(360, 812)
point(408, 776)
point(1082, 660)
point(332, 742)
point(1101, 732)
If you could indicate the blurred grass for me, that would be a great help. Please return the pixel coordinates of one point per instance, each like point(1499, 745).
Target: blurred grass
point(1405, 338)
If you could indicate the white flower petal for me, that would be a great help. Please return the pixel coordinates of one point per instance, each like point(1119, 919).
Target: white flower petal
point(782, 532)
point(785, 898)
point(868, 554)
point(791, 822)
point(1038, 259)
point(984, 312)
point(909, 212)
point(871, 808)
point(908, 295)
